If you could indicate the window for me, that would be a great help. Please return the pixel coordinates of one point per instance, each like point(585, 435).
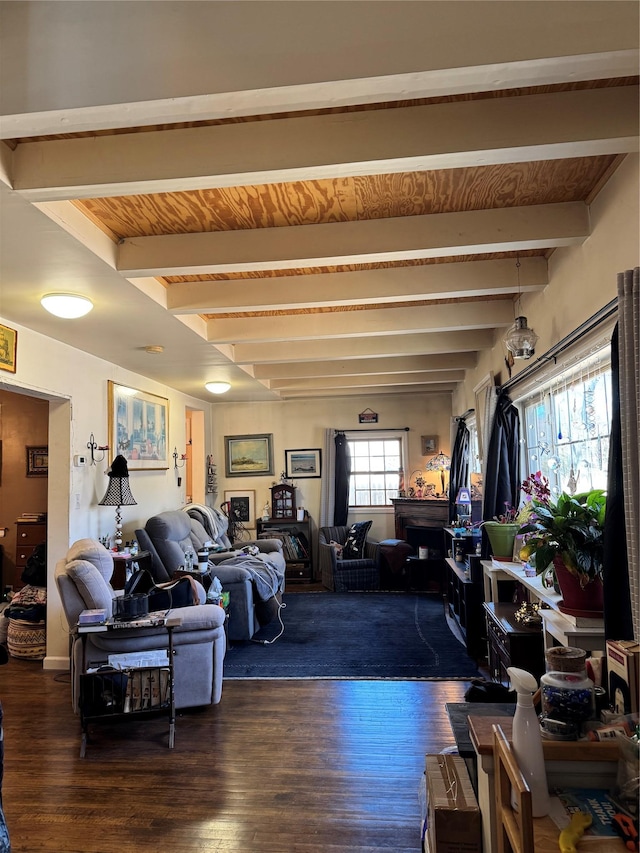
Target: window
point(375, 470)
point(566, 428)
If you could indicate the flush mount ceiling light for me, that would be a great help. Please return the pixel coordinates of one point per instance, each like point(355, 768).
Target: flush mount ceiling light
point(520, 340)
point(154, 350)
point(217, 387)
point(69, 306)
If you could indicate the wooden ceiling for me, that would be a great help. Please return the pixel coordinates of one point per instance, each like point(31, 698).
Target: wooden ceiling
point(369, 248)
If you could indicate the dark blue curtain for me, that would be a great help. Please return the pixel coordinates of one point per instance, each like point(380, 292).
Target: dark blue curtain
point(502, 476)
point(618, 618)
point(343, 473)
point(459, 471)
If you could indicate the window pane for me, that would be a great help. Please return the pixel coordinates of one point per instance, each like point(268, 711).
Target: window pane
point(375, 466)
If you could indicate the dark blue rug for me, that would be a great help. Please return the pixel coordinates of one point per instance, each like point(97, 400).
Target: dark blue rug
point(367, 635)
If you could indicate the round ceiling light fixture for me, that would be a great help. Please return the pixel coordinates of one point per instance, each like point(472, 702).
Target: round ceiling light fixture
point(217, 387)
point(69, 306)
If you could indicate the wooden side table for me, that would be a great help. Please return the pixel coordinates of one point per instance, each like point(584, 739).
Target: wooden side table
point(123, 564)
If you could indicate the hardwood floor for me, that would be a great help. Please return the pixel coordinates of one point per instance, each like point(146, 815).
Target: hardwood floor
point(276, 767)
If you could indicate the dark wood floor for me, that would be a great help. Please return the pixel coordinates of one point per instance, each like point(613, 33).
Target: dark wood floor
point(276, 767)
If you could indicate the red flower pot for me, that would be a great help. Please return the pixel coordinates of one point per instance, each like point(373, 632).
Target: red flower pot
point(578, 600)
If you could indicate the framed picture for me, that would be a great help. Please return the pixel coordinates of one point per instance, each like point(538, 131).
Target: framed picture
point(8, 348)
point(429, 444)
point(303, 464)
point(138, 428)
point(248, 455)
point(242, 507)
point(37, 461)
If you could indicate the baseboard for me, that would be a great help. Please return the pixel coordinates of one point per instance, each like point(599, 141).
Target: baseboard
point(51, 662)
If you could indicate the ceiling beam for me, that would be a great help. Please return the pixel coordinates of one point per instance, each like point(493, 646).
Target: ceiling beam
point(334, 243)
point(363, 366)
point(438, 389)
point(355, 324)
point(363, 347)
point(431, 281)
point(370, 380)
point(421, 138)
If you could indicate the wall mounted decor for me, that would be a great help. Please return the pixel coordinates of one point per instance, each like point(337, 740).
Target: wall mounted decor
point(242, 507)
point(37, 461)
point(429, 444)
point(8, 348)
point(138, 427)
point(248, 455)
point(303, 464)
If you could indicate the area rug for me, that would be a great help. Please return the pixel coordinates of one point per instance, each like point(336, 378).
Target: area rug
point(355, 635)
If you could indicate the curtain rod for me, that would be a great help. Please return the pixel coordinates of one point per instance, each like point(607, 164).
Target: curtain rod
point(551, 354)
point(374, 429)
point(465, 415)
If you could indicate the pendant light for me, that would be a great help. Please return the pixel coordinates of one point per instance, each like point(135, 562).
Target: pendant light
point(520, 340)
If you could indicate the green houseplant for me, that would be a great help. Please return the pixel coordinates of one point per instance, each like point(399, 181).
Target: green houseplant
point(569, 533)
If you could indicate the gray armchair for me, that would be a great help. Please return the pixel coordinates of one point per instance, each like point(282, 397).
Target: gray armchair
point(345, 575)
point(167, 536)
point(82, 578)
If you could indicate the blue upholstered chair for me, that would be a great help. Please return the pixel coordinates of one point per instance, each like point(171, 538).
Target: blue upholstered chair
point(346, 574)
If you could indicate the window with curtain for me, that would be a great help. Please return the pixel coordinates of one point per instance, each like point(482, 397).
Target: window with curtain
point(375, 470)
point(566, 425)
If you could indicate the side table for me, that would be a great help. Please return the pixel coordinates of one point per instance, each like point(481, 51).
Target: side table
point(124, 564)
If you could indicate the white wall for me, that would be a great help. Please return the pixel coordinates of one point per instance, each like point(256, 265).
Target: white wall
point(582, 279)
point(75, 383)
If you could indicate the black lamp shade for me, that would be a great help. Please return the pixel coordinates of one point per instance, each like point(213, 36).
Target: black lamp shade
point(118, 491)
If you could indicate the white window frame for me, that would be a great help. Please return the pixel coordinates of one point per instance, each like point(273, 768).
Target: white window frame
point(380, 435)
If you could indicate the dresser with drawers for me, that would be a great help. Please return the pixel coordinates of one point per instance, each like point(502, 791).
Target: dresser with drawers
point(28, 535)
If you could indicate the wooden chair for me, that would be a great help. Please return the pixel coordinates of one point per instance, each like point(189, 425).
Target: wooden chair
point(515, 830)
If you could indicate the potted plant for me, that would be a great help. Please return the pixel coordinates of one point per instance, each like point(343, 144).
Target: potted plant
point(502, 533)
point(569, 533)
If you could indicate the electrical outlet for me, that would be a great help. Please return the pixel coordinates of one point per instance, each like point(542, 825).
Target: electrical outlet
point(77, 500)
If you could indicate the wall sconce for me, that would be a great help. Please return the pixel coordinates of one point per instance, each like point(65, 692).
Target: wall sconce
point(177, 456)
point(92, 447)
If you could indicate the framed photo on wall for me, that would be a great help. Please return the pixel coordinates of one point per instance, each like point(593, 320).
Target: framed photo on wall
point(37, 461)
point(138, 427)
point(248, 455)
point(242, 507)
point(429, 444)
point(8, 348)
point(303, 464)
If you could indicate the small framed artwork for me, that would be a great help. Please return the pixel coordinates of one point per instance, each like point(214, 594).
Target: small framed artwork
point(138, 427)
point(37, 461)
point(303, 464)
point(429, 444)
point(248, 455)
point(242, 507)
point(8, 348)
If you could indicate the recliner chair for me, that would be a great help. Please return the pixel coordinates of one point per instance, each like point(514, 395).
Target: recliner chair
point(167, 536)
point(351, 574)
point(82, 578)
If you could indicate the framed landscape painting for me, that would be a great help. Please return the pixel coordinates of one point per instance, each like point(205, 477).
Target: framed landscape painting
point(138, 427)
point(300, 464)
point(248, 455)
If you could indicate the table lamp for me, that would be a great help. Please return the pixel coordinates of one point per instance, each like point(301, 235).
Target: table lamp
point(439, 462)
point(118, 493)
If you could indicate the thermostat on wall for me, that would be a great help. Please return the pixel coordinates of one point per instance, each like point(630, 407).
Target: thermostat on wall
point(79, 461)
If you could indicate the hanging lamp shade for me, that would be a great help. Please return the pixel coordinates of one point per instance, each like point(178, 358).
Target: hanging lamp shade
point(520, 339)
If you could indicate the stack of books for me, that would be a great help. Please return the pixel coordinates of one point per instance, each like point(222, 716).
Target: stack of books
point(33, 516)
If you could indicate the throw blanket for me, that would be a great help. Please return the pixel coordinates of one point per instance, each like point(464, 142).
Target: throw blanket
point(266, 577)
point(214, 521)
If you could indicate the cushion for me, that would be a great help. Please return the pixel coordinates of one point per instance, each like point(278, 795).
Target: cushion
point(356, 537)
point(93, 588)
point(93, 552)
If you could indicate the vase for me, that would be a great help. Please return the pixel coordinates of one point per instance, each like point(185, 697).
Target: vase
point(502, 538)
point(578, 600)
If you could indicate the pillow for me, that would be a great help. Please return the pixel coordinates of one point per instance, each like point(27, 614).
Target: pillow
point(354, 546)
point(92, 552)
point(93, 588)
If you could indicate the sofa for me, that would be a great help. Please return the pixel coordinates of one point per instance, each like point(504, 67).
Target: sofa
point(342, 573)
point(82, 578)
point(255, 582)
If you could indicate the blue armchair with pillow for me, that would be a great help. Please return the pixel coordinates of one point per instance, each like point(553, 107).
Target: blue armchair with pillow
point(348, 560)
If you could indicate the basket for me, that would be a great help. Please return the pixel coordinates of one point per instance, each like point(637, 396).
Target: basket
point(27, 640)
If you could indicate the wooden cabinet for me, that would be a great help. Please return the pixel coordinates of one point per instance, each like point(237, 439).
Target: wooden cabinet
point(283, 501)
point(510, 643)
point(464, 600)
point(296, 545)
point(28, 535)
